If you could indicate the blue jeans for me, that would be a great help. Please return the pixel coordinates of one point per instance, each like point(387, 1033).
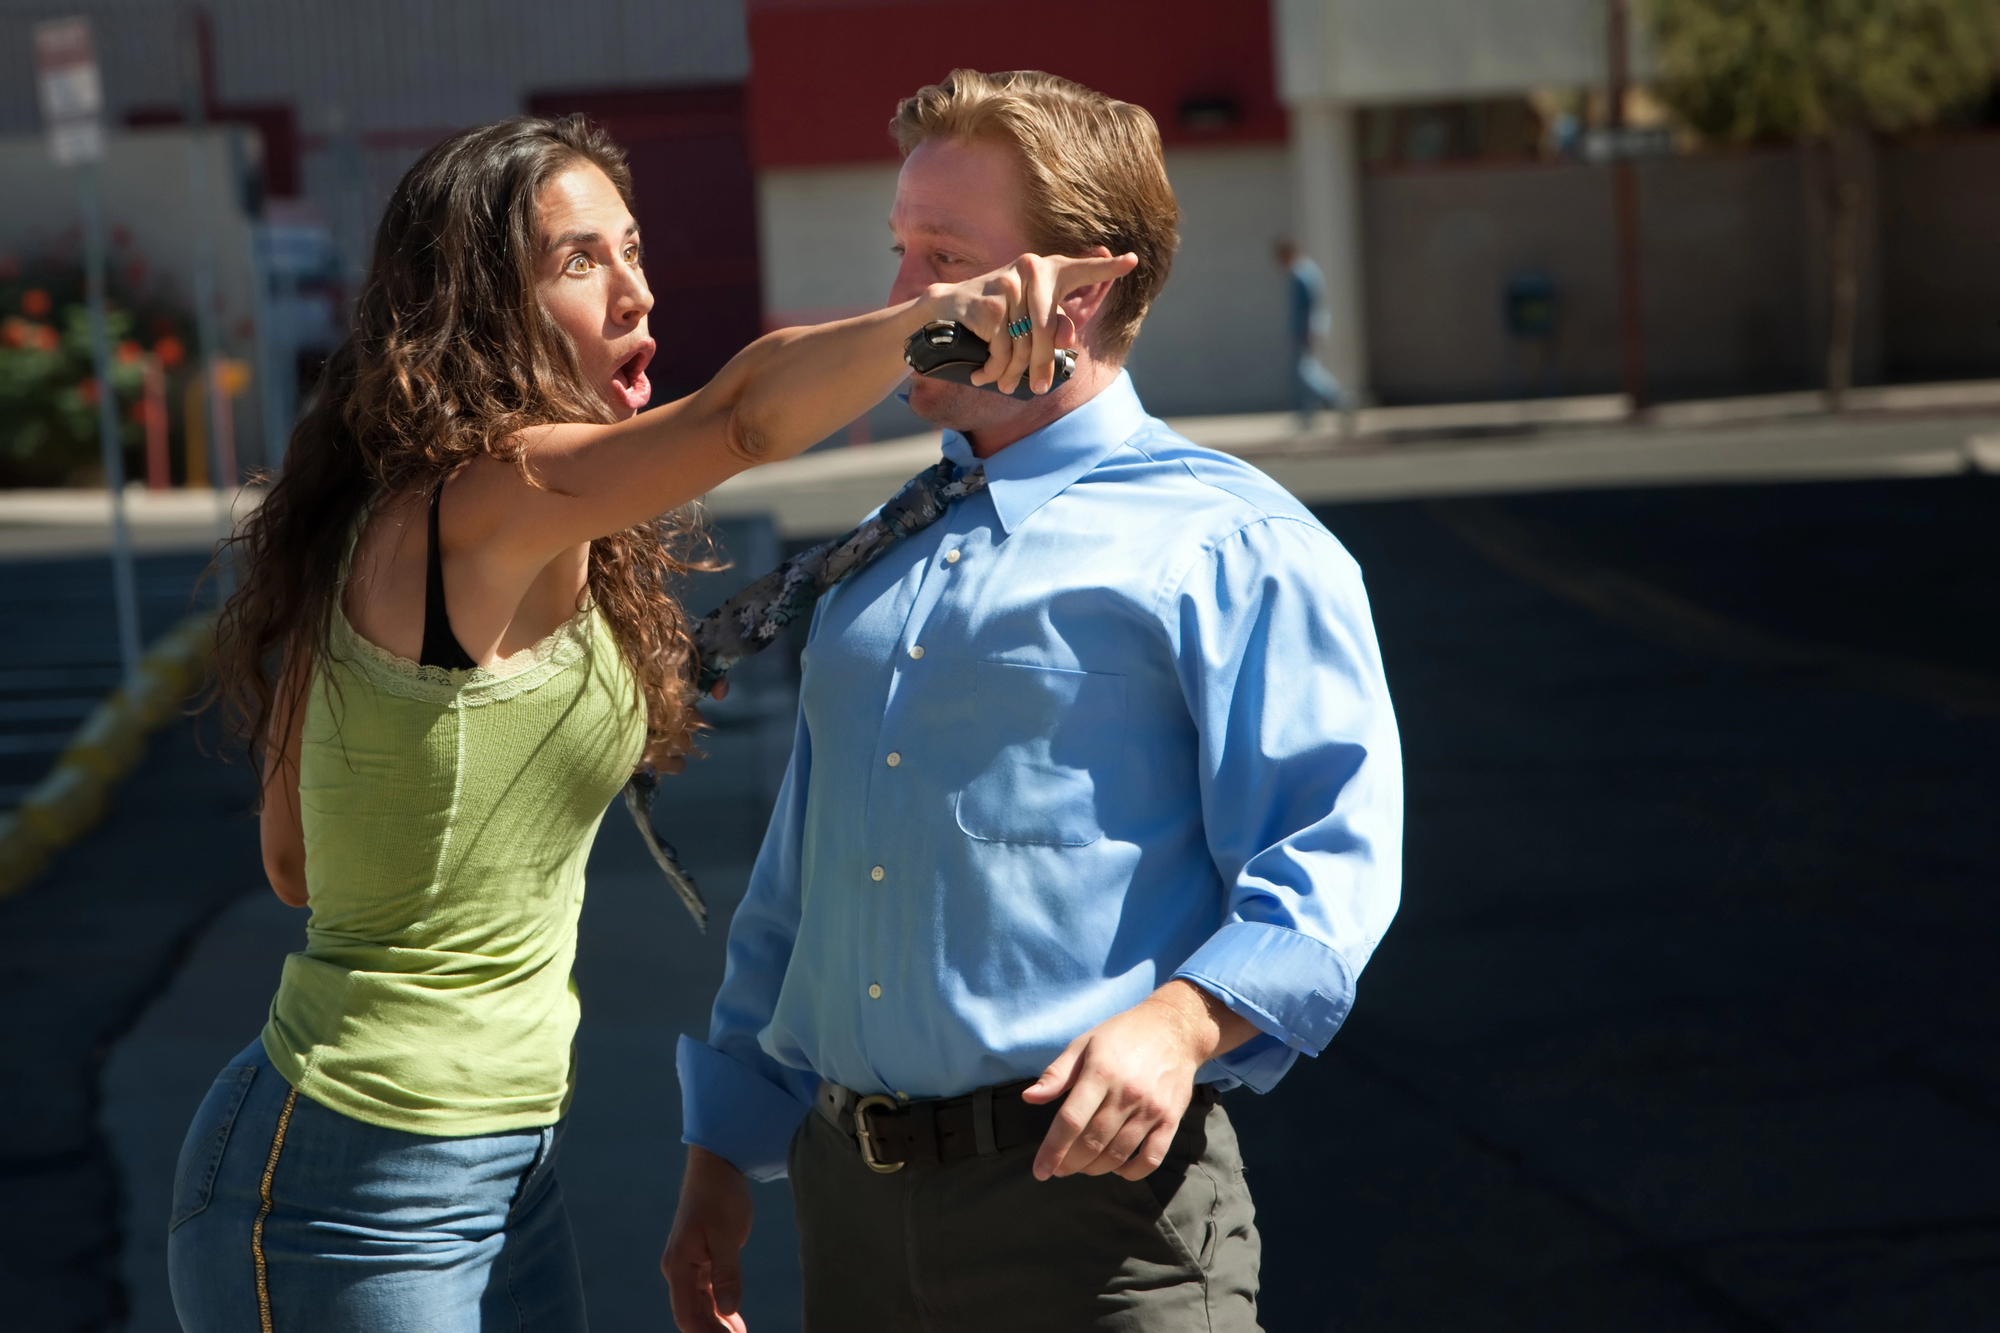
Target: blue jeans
point(362, 1228)
point(1313, 385)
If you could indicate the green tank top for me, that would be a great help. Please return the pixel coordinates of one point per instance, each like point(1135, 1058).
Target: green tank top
point(448, 815)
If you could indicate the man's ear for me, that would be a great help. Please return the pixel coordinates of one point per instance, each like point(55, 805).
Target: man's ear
point(1083, 304)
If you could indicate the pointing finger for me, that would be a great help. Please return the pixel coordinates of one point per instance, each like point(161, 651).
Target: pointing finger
point(1074, 273)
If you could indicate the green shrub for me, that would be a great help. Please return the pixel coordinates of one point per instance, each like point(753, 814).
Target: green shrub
point(48, 407)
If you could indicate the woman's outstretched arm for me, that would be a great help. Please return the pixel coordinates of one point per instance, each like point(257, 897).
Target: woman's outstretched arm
point(774, 398)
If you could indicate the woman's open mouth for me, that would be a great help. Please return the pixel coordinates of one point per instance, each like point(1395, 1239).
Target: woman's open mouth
point(629, 384)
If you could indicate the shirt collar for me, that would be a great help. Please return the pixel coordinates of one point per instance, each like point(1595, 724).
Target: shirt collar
point(1036, 468)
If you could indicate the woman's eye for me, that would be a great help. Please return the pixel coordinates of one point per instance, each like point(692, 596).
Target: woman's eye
point(578, 264)
point(631, 254)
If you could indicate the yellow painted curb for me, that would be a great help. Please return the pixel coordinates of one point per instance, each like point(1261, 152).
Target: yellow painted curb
point(66, 804)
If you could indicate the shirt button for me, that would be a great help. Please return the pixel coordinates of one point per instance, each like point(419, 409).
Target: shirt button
point(916, 650)
point(876, 874)
point(951, 557)
point(875, 992)
point(894, 759)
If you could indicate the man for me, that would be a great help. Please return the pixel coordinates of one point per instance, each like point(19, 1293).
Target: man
point(1094, 810)
point(1313, 385)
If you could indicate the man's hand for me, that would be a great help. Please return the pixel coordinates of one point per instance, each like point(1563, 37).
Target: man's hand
point(703, 1262)
point(1129, 1079)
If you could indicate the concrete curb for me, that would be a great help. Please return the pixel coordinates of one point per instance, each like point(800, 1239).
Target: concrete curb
point(69, 802)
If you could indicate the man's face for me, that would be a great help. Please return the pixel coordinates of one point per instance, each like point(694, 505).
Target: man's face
point(958, 214)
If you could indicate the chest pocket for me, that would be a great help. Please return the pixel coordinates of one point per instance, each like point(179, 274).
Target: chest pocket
point(1043, 747)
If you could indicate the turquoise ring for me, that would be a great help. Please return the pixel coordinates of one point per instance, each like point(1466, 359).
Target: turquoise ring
point(1020, 327)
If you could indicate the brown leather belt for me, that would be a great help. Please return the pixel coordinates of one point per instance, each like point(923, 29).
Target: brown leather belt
point(891, 1134)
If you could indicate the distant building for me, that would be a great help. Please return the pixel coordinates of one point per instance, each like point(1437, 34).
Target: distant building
point(1431, 155)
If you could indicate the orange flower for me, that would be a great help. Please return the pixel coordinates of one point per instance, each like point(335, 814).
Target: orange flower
point(129, 352)
point(14, 332)
point(46, 337)
point(170, 351)
point(87, 391)
point(36, 303)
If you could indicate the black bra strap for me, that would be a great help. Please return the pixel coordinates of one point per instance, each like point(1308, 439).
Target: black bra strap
point(441, 646)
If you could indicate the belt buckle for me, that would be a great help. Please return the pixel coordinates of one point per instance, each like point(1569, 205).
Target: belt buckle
point(867, 1141)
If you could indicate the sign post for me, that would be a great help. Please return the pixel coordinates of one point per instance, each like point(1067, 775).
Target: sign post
point(72, 100)
point(1625, 214)
point(216, 418)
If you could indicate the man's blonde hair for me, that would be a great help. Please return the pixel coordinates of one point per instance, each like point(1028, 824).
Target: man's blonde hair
point(1094, 172)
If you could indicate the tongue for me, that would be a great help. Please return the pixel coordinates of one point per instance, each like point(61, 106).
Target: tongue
point(634, 390)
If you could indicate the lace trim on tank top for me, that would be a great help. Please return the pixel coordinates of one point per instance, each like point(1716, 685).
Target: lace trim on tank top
point(508, 678)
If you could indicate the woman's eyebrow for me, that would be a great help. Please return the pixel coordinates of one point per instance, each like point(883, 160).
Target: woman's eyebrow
point(587, 237)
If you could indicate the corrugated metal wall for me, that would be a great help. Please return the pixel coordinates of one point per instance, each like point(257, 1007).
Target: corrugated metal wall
point(389, 64)
point(375, 81)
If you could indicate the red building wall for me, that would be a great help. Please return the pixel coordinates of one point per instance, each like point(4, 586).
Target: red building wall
point(825, 75)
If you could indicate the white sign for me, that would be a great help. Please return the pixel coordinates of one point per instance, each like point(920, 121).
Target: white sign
point(1609, 145)
point(72, 95)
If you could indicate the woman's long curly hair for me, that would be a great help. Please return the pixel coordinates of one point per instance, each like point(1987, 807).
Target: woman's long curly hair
point(451, 355)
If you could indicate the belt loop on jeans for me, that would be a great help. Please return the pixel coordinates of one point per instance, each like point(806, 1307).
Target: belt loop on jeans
point(982, 1122)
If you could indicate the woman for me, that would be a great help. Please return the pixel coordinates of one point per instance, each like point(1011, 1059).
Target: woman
point(460, 571)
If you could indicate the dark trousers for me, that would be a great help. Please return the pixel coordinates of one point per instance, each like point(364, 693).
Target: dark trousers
point(980, 1244)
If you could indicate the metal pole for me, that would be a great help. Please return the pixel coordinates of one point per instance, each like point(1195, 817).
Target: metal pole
point(194, 111)
point(113, 451)
point(1625, 217)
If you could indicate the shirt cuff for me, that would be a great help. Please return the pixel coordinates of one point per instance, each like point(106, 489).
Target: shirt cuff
point(735, 1112)
point(1257, 1064)
point(1289, 984)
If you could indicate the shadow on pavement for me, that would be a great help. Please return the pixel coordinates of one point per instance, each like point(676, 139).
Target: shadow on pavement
point(1689, 1018)
point(1688, 1022)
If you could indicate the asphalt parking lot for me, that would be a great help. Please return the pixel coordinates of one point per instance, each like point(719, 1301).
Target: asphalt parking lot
point(1688, 1021)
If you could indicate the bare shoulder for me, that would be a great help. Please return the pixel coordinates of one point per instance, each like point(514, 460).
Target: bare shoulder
point(384, 596)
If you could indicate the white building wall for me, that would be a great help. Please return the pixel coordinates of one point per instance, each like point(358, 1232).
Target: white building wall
point(824, 234)
point(1214, 342)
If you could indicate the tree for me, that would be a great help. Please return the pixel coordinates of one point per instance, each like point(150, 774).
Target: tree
point(1830, 74)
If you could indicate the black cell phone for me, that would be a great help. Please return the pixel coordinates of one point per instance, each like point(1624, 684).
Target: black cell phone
point(945, 350)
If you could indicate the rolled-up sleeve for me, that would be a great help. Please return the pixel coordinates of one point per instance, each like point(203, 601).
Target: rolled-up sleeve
point(1301, 784)
point(736, 1101)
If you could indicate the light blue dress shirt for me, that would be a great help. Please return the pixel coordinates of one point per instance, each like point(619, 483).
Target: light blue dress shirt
point(1118, 719)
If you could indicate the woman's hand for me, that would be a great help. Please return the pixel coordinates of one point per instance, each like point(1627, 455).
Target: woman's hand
point(1031, 288)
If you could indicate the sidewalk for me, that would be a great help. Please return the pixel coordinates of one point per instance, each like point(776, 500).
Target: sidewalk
point(1382, 453)
point(51, 523)
point(1482, 449)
